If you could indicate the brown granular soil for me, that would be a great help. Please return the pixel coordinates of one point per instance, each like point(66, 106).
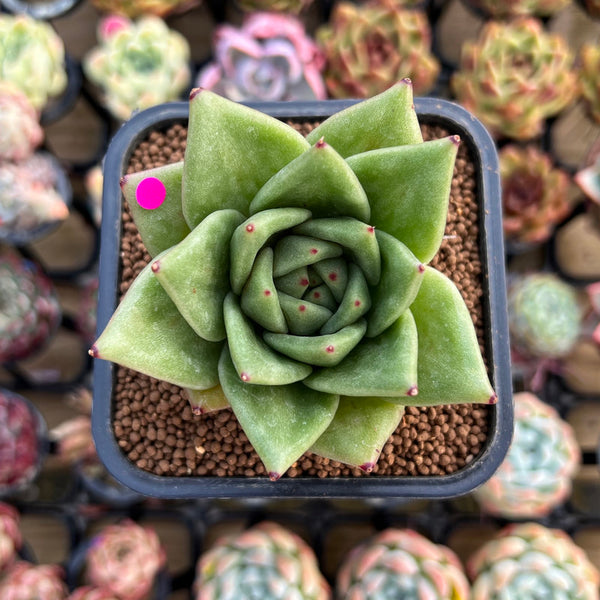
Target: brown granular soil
point(155, 426)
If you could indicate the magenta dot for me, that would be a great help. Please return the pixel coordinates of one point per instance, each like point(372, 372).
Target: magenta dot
point(330, 349)
point(250, 227)
point(150, 193)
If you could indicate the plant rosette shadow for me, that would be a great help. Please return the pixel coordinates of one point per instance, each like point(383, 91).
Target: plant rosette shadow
point(290, 282)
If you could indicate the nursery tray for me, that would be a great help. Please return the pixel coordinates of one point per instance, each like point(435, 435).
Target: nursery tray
point(496, 343)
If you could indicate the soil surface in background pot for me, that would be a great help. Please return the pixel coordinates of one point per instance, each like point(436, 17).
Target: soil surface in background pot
point(153, 421)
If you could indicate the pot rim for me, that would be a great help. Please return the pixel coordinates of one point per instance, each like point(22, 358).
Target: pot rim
point(485, 157)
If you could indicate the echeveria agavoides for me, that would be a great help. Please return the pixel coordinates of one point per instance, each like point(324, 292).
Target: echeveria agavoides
point(290, 278)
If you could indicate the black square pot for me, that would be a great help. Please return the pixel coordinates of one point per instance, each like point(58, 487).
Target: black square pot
point(483, 151)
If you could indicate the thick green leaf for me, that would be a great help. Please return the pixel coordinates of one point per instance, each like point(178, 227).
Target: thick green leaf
point(401, 276)
point(356, 237)
point(232, 151)
point(334, 273)
point(359, 431)
point(251, 235)
point(195, 273)
point(255, 362)
point(260, 300)
point(320, 180)
point(451, 369)
point(384, 366)
point(164, 226)
point(294, 283)
point(321, 295)
point(388, 119)
point(205, 401)
point(281, 421)
point(319, 350)
point(355, 303)
point(303, 317)
point(148, 334)
point(408, 189)
point(295, 251)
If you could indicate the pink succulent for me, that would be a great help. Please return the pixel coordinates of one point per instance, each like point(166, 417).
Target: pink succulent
point(125, 559)
point(19, 446)
point(20, 131)
point(74, 439)
point(92, 593)
point(10, 535)
point(25, 581)
point(269, 58)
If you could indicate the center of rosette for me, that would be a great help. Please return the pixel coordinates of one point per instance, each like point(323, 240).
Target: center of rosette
point(303, 283)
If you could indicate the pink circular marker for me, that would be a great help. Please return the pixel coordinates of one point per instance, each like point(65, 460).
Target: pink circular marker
point(150, 193)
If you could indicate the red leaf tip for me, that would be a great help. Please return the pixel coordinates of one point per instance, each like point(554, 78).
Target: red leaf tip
point(493, 399)
point(93, 351)
point(123, 181)
point(195, 92)
point(367, 467)
point(155, 266)
point(407, 81)
point(455, 139)
point(274, 476)
point(412, 391)
point(321, 143)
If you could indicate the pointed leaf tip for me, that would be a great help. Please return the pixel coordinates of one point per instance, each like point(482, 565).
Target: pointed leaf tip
point(274, 476)
point(413, 391)
point(493, 399)
point(123, 181)
point(155, 266)
point(407, 81)
point(93, 352)
point(455, 139)
point(321, 143)
point(367, 467)
point(195, 92)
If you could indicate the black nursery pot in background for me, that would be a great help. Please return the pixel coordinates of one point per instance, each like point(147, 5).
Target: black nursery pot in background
point(482, 149)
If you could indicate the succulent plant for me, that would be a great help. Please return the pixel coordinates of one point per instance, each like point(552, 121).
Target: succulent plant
point(295, 282)
point(29, 308)
point(10, 536)
point(265, 561)
point(25, 581)
point(20, 131)
point(137, 64)
point(536, 474)
point(368, 48)
point(269, 58)
point(32, 58)
point(125, 558)
point(19, 443)
point(91, 593)
point(531, 561)
point(534, 194)
point(85, 319)
point(515, 76)
point(545, 316)
point(288, 6)
point(94, 180)
point(29, 197)
point(136, 8)
point(401, 563)
point(589, 75)
point(73, 439)
point(502, 9)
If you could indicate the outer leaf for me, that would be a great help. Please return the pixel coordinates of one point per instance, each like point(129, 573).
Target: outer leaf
point(281, 421)
point(251, 235)
point(401, 276)
point(388, 119)
point(359, 430)
point(147, 333)
point(255, 362)
point(204, 401)
point(382, 366)
point(320, 350)
point(408, 189)
point(451, 369)
point(232, 151)
point(164, 226)
point(357, 237)
point(320, 180)
point(195, 273)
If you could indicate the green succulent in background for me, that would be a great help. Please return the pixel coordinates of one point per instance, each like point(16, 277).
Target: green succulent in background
point(293, 274)
point(545, 316)
point(529, 561)
point(515, 76)
point(369, 47)
point(32, 57)
point(138, 64)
